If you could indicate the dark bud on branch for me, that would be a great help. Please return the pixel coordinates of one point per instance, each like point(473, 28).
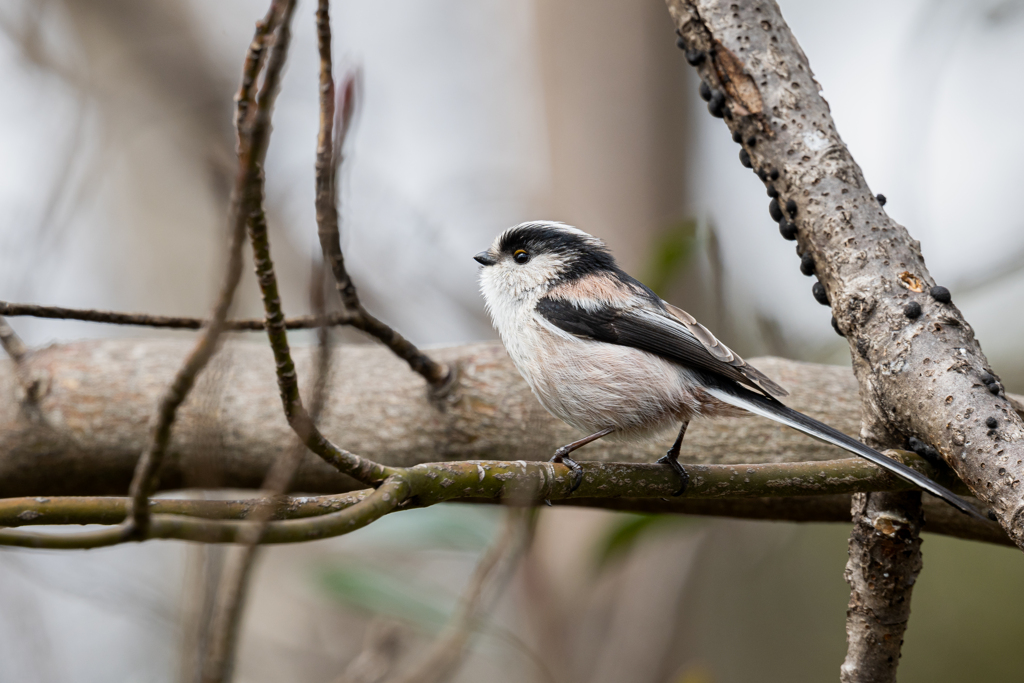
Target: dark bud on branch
point(774, 210)
point(762, 174)
point(745, 159)
point(694, 57)
point(940, 294)
point(835, 326)
point(791, 208)
point(751, 141)
point(787, 230)
point(704, 90)
point(881, 199)
point(807, 265)
point(774, 175)
point(716, 106)
point(912, 310)
point(819, 293)
point(772, 192)
point(991, 423)
point(680, 43)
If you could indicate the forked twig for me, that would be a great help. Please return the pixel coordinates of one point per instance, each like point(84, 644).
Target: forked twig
point(329, 156)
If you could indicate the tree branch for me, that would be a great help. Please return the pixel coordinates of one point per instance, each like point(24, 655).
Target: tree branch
point(915, 356)
point(305, 322)
point(329, 157)
point(885, 559)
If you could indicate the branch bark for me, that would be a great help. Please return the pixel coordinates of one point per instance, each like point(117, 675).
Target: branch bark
point(916, 358)
point(921, 372)
point(93, 397)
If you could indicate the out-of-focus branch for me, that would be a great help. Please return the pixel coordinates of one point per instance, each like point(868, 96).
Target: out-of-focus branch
point(491, 575)
point(94, 397)
point(11, 342)
point(235, 577)
point(330, 147)
point(253, 137)
point(305, 322)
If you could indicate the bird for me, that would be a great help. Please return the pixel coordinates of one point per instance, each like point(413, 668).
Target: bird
point(605, 354)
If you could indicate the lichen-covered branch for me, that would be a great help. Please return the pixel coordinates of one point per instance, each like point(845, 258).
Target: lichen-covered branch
point(639, 487)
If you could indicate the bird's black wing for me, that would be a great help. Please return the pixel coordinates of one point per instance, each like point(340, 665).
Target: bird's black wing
point(666, 331)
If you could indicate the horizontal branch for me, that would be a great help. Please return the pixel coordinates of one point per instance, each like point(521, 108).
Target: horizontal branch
point(305, 322)
point(754, 491)
point(88, 423)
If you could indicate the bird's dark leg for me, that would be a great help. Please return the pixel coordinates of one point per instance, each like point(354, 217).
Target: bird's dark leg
point(562, 455)
point(672, 459)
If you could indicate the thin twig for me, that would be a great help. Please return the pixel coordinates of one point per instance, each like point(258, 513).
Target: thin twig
point(330, 147)
point(305, 322)
point(252, 145)
point(298, 418)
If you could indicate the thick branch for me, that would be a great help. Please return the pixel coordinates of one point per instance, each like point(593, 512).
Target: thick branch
point(93, 398)
point(915, 356)
point(885, 559)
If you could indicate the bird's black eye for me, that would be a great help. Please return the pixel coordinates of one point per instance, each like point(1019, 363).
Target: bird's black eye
point(521, 256)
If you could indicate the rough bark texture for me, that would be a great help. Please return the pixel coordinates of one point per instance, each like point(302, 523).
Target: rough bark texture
point(921, 372)
point(95, 397)
point(885, 559)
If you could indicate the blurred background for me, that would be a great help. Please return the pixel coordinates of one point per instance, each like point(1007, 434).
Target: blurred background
point(116, 158)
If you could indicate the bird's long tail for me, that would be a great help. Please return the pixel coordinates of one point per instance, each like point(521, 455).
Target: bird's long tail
point(774, 410)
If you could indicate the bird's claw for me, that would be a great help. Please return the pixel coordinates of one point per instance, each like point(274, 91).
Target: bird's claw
point(574, 467)
point(667, 459)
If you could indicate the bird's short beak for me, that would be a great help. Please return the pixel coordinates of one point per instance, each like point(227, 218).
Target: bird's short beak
point(484, 258)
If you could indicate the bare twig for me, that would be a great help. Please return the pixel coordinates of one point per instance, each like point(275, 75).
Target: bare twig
point(491, 575)
point(306, 322)
point(252, 145)
point(330, 145)
point(288, 384)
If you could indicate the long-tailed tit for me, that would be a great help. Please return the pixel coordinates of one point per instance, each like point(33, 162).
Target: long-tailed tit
point(606, 355)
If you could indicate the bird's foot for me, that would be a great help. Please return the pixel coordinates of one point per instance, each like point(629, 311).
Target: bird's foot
point(562, 456)
point(673, 462)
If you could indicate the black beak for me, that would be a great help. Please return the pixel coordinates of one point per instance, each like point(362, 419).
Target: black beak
point(484, 258)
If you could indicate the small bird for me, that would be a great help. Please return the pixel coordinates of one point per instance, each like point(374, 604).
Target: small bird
point(606, 355)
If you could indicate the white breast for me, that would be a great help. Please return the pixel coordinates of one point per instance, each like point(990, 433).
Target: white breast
point(593, 385)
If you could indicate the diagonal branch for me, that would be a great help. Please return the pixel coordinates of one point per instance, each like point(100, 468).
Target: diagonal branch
point(329, 156)
point(921, 370)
